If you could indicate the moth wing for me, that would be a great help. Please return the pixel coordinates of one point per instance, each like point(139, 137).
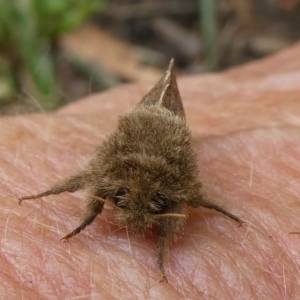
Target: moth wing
point(165, 93)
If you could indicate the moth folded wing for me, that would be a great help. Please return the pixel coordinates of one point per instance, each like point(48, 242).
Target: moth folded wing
point(165, 93)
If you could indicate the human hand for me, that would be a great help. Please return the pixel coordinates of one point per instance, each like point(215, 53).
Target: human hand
point(244, 123)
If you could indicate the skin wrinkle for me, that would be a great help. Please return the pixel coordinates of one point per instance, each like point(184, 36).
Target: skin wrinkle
point(220, 286)
point(261, 284)
point(229, 277)
point(5, 229)
point(245, 281)
point(284, 283)
point(274, 271)
point(277, 284)
point(211, 270)
point(181, 288)
point(7, 289)
point(194, 285)
point(246, 234)
point(21, 275)
point(129, 245)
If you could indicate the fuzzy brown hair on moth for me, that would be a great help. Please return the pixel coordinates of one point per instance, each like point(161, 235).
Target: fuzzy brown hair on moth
point(146, 170)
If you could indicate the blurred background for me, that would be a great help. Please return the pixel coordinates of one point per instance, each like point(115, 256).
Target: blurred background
point(53, 52)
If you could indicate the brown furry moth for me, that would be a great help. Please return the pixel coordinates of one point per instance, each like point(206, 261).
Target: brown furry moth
point(147, 170)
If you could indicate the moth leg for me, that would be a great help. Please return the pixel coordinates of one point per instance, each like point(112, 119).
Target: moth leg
point(168, 232)
point(72, 184)
point(92, 209)
point(221, 210)
point(162, 249)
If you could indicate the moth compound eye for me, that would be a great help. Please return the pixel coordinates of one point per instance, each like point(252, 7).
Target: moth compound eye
point(158, 203)
point(121, 192)
point(119, 198)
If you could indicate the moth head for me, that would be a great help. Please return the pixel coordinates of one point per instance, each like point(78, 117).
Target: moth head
point(143, 188)
point(139, 213)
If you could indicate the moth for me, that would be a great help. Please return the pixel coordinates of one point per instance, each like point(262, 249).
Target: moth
point(146, 170)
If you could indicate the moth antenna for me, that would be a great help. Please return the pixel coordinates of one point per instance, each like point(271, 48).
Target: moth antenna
point(165, 93)
point(104, 201)
point(171, 215)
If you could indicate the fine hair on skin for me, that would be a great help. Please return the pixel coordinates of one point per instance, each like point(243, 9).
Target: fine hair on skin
point(146, 170)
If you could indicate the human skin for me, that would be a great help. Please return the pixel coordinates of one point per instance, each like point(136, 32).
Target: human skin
point(245, 131)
